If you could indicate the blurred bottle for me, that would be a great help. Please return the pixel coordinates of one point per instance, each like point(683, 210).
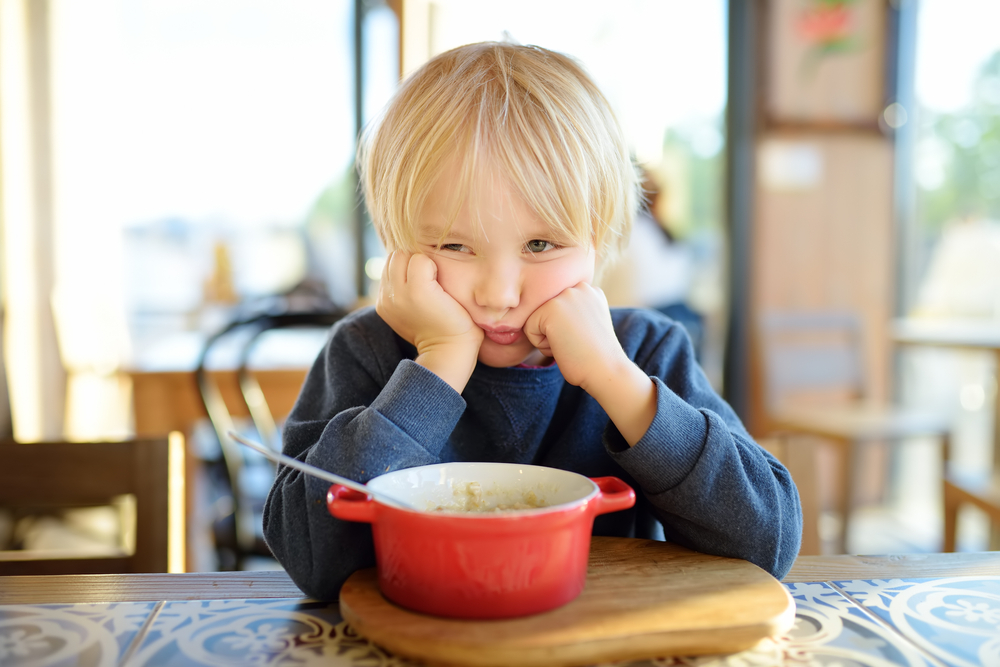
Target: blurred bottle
point(219, 287)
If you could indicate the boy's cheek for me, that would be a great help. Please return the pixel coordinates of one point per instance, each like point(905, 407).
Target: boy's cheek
point(443, 277)
point(449, 279)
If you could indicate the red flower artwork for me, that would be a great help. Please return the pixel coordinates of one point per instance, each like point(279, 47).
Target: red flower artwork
point(829, 27)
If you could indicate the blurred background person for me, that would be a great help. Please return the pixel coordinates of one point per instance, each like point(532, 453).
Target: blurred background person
point(657, 269)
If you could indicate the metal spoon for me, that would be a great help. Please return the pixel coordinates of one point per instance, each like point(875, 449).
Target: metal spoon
point(319, 472)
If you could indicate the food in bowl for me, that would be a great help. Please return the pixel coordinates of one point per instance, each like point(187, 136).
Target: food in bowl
point(482, 564)
point(470, 498)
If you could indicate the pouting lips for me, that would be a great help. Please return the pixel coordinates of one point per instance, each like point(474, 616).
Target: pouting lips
point(504, 337)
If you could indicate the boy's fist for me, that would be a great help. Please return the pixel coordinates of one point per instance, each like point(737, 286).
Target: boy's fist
point(575, 328)
point(414, 304)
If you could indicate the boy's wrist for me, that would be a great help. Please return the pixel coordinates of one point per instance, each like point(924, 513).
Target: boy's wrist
point(628, 396)
point(603, 376)
point(453, 363)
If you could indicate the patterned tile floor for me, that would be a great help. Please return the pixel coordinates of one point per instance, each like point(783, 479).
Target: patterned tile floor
point(914, 622)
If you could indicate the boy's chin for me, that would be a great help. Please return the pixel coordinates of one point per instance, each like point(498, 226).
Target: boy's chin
point(504, 356)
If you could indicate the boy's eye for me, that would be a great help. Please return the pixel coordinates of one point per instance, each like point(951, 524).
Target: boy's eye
point(538, 245)
point(454, 247)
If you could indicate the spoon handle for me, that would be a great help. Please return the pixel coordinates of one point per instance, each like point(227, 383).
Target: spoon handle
point(313, 470)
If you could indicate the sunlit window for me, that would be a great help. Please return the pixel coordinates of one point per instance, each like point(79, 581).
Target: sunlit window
point(202, 137)
point(957, 166)
point(952, 261)
point(203, 154)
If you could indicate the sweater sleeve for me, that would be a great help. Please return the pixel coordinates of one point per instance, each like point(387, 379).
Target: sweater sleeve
point(712, 487)
point(359, 417)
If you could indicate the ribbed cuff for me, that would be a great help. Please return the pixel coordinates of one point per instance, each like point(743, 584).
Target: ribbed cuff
point(421, 404)
point(669, 450)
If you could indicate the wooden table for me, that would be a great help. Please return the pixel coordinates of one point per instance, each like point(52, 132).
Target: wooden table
point(912, 610)
point(166, 401)
point(165, 392)
point(957, 334)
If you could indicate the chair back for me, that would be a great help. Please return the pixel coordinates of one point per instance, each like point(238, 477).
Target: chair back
point(48, 476)
point(811, 355)
point(245, 503)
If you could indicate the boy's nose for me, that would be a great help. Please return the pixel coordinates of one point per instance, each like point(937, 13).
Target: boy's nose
point(498, 287)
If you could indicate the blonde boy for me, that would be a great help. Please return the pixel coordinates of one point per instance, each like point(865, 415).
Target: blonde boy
point(499, 181)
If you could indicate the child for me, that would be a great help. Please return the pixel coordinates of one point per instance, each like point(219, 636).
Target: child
point(499, 181)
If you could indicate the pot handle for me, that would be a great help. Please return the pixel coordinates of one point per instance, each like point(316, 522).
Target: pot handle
point(615, 495)
point(350, 505)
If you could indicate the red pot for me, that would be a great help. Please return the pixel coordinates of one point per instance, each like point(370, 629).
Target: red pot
point(482, 565)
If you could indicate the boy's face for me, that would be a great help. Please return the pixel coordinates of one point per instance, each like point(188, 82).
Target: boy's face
point(500, 261)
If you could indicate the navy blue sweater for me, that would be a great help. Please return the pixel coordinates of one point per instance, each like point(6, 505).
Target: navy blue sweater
point(367, 408)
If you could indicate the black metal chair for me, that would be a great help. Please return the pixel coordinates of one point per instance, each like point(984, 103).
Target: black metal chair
point(237, 528)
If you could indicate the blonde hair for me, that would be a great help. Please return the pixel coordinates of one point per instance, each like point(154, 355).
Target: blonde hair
point(532, 114)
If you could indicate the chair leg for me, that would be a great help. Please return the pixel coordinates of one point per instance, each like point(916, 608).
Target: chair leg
point(803, 459)
point(950, 519)
point(949, 501)
point(848, 474)
point(798, 455)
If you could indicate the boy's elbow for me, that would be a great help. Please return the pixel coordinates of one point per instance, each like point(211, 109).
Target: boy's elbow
point(777, 559)
point(788, 544)
point(784, 560)
point(325, 587)
point(319, 566)
point(324, 591)
point(775, 541)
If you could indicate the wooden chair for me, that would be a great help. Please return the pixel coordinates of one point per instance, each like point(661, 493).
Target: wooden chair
point(39, 477)
point(816, 386)
point(980, 488)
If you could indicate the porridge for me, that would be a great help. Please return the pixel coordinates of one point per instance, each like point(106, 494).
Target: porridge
point(469, 498)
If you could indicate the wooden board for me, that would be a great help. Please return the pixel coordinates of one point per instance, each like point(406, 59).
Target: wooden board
point(643, 599)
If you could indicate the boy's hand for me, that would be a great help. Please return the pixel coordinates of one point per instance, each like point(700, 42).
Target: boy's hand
point(575, 328)
point(411, 301)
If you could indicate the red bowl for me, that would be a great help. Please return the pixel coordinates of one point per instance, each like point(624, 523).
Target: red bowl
point(499, 564)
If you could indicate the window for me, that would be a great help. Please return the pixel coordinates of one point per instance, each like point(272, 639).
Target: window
point(951, 244)
point(203, 154)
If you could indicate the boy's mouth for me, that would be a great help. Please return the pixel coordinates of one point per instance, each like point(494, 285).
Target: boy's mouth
point(502, 336)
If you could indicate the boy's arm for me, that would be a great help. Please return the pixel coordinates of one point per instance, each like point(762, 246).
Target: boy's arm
point(365, 409)
point(712, 487)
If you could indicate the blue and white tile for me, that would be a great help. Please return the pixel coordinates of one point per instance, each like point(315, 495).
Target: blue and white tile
point(83, 635)
point(937, 615)
point(954, 619)
point(256, 632)
point(829, 628)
